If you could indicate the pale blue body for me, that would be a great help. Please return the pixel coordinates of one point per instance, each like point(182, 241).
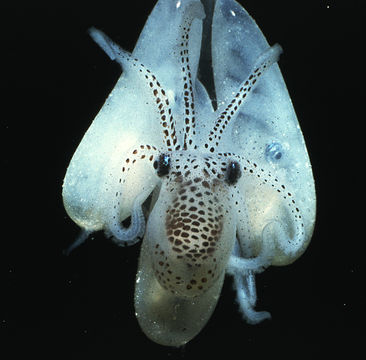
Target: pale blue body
point(232, 188)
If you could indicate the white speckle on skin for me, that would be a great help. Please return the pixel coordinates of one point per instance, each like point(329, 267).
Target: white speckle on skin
point(170, 95)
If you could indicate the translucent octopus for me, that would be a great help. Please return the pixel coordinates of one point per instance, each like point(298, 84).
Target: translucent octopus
point(210, 190)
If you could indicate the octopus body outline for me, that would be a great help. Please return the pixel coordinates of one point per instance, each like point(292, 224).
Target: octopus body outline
point(215, 208)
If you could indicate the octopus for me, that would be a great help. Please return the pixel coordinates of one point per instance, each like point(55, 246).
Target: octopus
point(214, 179)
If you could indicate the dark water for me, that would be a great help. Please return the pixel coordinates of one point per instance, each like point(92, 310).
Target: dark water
point(56, 79)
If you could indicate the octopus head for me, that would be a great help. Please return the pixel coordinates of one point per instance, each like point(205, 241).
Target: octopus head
point(191, 229)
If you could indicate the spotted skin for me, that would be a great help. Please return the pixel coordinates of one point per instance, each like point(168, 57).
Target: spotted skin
point(211, 191)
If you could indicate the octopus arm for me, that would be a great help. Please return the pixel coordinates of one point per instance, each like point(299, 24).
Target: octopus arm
point(243, 272)
point(111, 172)
point(271, 225)
point(265, 129)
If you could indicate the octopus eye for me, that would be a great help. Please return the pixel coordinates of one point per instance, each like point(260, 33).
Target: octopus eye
point(162, 165)
point(233, 172)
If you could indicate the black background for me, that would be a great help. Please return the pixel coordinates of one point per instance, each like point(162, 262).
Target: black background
point(55, 80)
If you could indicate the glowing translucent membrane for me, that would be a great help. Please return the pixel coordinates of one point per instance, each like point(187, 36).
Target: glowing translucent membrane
point(232, 187)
